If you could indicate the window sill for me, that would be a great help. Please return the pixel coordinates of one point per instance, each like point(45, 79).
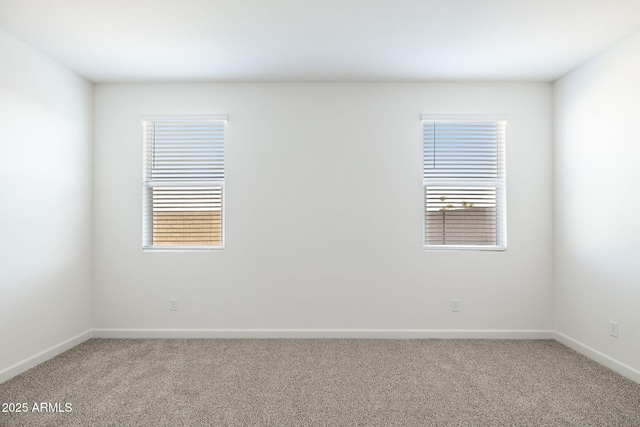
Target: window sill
point(182, 248)
point(463, 248)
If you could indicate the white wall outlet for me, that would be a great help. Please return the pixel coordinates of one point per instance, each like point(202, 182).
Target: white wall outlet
point(173, 304)
point(455, 305)
point(613, 328)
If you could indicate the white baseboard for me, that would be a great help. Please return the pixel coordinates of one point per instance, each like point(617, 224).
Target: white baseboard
point(327, 333)
point(43, 356)
point(593, 354)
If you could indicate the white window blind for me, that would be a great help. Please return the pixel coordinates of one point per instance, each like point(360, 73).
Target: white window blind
point(464, 182)
point(183, 182)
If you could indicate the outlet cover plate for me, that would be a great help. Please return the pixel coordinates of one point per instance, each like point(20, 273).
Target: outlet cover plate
point(613, 329)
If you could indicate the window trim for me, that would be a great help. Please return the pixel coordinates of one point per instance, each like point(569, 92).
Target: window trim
point(149, 184)
point(500, 184)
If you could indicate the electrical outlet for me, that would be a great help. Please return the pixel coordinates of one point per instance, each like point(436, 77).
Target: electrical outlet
point(455, 305)
point(173, 304)
point(613, 328)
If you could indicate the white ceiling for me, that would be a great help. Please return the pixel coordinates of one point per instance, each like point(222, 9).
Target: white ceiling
point(320, 40)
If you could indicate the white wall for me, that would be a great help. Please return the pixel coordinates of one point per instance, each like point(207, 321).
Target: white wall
point(597, 202)
point(324, 212)
point(45, 203)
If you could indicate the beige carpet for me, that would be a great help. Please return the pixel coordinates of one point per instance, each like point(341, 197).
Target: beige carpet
point(322, 383)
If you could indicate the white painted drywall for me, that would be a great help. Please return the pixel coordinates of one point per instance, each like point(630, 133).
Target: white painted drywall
point(323, 212)
point(597, 203)
point(45, 202)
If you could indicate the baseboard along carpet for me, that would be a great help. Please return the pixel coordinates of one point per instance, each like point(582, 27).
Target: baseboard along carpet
point(320, 382)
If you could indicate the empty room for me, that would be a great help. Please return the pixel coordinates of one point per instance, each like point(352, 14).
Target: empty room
point(319, 213)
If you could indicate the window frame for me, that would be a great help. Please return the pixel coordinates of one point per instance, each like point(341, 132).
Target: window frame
point(500, 183)
point(148, 184)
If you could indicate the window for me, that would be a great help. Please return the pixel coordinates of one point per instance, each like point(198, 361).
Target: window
point(183, 182)
point(464, 182)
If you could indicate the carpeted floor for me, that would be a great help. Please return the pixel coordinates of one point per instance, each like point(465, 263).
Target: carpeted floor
point(297, 382)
